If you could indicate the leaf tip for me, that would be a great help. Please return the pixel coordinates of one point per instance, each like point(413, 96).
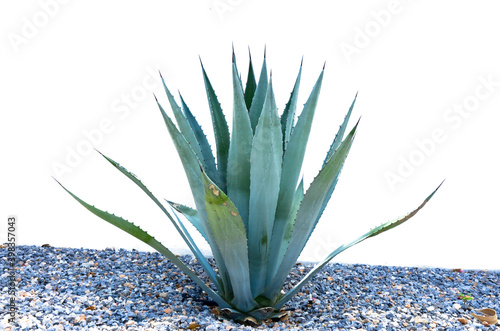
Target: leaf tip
point(56, 180)
point(359, 119)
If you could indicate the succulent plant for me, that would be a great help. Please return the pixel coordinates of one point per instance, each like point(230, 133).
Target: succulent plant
point(250, 202)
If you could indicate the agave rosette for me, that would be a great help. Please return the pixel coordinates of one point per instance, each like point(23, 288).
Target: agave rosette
point(250, 203)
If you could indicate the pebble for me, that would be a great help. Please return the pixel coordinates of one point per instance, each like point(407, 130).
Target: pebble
point(86, 289)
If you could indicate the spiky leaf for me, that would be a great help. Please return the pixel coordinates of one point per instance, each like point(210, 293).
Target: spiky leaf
point(266, 157)
point(288, 116)
point(221, 130)
point(292, 164)
point(201, 138)
point(191, 215)
point(230, 237)
point(297, 200)
point(340, 133)
point(372, 233)
point(181, 230)
point(309, 212)
point(143, 236)
point(193, 172)
point(238, 172)
point(259, 97)
point(184, 126)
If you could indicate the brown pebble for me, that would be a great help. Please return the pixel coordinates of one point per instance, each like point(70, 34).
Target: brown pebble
point(193, 325)
point(462, 320)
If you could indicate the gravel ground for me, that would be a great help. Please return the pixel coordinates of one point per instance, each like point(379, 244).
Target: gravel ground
point(86, 289)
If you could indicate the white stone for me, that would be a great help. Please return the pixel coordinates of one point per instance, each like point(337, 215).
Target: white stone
point(419, 319)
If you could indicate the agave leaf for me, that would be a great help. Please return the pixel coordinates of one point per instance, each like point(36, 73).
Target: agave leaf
point(238, 74)
point(143, 236)
point(233, 314)
point(262, 313)
point(189, 160)
point(197, 253)
point(251, 84)
point(221, 130)
point(265, 175)
point(238, 172)
point(191, 215)
point(230, 236)
point(206, 149)
point(340, 134)
point(392, 224)
point(292, 164)
point(182, 230)
point(336, 142)
point(288, 116)
point(192, 169)
point(372, 233)
point(260, 96)
point(184, 126)
point(297, 200)
point(309, 213)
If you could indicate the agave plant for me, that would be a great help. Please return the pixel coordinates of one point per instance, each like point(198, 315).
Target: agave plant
point(250, 202)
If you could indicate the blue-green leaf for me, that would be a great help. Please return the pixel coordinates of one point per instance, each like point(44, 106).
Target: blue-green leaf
point(292, 164)
point(143, 236)
point(372, 233)
point(197, 253)
point(238, 172)
point(297, 200)
point(206, 150)
point(238, 74)
point(309, 212)
point(221, 130)
point(181, 230)
point(184, 126)
point(230, 236)
point(336, 142)
point(265, 175)
point(288, 116)
point(259, 97)
point(189, 160)
point(193, 172)
point(340, 133)
point(191, 215)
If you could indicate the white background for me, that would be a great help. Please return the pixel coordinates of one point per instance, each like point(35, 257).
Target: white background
point(70, 67)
